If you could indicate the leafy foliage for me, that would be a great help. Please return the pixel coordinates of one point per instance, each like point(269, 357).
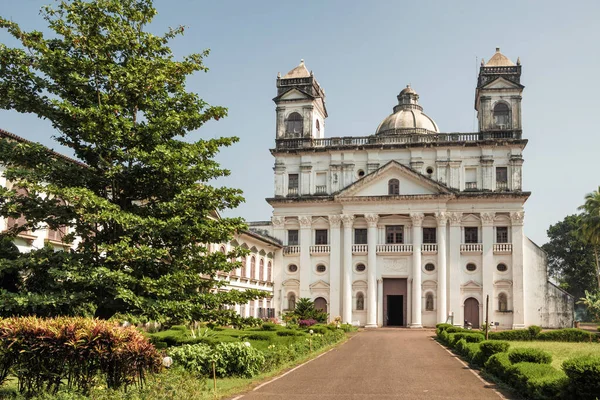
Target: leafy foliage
point(140, 204)
point(305, 310)
point(529, 355)
point(584, 377)
point(567, 335)
point(592, 301)
point(47, 354)
point(537, 381)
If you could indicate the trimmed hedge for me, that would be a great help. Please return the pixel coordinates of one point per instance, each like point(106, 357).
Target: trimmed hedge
point(515, 334)
point(456, 329)
point(536, 356)
point(537, 381)
point(441, 327)
point(584, 377)
point(488, 348)
point(289, 332)
point(469, 337)
point(567, 335)
point(498, 365)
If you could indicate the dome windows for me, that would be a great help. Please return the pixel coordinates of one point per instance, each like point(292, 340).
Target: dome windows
point(294, 124)
point(501, 116)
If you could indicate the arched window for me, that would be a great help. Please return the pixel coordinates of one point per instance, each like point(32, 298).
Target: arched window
point(261, 270)
point(501, 116)
point(393, 186)
point(318, 127)
point(294, 124)
point(429, 302)
point(222, 249)
point(291, 301)
point(253, 268)
point(243, 273)
point(360, 301)
point(269, 271)
point(502, 302)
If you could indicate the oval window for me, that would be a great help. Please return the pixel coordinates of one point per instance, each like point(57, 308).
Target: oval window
point(471, 267)
point(292, 268)
point(502, 267)
point(429, 267)
point(361, 268)
point(321, 268)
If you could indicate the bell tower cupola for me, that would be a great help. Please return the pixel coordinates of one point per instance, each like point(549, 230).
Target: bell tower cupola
point(498, 94)
point(300, 101)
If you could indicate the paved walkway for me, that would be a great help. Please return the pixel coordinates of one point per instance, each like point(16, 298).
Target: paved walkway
point(380, 364)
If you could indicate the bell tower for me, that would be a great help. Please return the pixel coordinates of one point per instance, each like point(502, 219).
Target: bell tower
point(300, 104)
point(498, 94)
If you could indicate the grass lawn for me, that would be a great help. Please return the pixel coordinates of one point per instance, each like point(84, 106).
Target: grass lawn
point(560, 351)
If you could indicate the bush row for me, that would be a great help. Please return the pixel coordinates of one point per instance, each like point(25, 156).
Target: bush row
point(241, 359)
point(557, 335)
point(528, 370)
point(51, 354)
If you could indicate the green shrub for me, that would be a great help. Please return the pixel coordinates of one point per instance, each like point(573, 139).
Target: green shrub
point(320, 329)
point(443, 337)
point(537, 381)
point(180, 328)
point(515, 334)
point(534, 330)
point(470, 337)
point(348, 328)
point(529, 355)
point(43, 355)
point(237, 359)
point(455, 329)
point(196, 358)
point(567, 335)
point(441, 327)
point(289, 332)
point(488, 348)
point(497, 364)
point(269, 326)
point(584, 377)
point(257, 336)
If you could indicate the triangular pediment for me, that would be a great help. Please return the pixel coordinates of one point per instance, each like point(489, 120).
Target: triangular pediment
point(471, 285)
point(411, 182)
point(501, 83)
point(321, 284)
point(294, 94)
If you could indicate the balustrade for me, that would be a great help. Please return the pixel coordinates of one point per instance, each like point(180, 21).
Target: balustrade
point(394, 248)
point(320, 249)
point(291, 250)
point(501, 185)
point(471, 248)
point(360, 249)
point(470, 185)
point(429, 248)
point(293, 191)
point(502, 248)
point(321, 189)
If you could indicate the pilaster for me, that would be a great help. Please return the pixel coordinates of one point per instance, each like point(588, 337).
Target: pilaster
point(455, 306)
point(487, 166)
point(519, 316)
point(305, 267)
point(417, 235)
point(454, 173)
point(379, 302)
point(334, 267)
point(487, 223)
point(305, 179)
point(516, 167)
point(279, 233)
point(347, 274)
point(336, 177)
point(442, 313)
point(372, 220)
point(279, 170)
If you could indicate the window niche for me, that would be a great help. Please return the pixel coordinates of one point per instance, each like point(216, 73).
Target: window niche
point(360, 301)
point(393, 187)
point(501, 116)
point(294, 125)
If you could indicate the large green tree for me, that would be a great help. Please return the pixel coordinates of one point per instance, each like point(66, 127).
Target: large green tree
point(590, 226)
point(140, 202)
point(570, 257)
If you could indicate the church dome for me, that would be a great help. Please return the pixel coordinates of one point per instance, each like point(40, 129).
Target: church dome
point(408, 117)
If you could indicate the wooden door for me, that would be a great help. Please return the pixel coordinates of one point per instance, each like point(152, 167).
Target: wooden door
point(321, 304)
point(472, 312)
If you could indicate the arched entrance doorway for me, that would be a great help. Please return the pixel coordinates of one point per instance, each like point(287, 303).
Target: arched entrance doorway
point(321, 304)
point(472, 312)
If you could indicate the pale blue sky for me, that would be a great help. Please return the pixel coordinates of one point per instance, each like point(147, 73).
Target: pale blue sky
point(363, 54)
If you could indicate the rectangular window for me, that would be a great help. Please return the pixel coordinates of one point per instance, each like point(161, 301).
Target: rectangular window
point(293, 182)
point(471, 234)
point(470, 178)
point(293, 237)
point(501, 175)
point(394, 234)
point(429, 235)
point(360, 236)
point(321, 236)
point(502, 234)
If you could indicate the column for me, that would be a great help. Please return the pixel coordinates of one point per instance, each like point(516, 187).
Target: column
point(305, 242)
point(372, 220)
point(487, 165)
point(347, 303)
point(417, 237)
point(409, 284)
point(279, 233)
point(518, 270)
point(516, 166)
point(334, 267)
point(305, 179)
point(279, 168)
point(455, 266)
point(379, 302)
point(487, 272)
point(442, 313)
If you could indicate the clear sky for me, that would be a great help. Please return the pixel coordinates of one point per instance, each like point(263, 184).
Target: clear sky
point(363, 54)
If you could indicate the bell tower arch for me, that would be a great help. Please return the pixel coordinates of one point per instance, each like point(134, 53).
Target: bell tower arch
point(498, 94)
point(300, 105)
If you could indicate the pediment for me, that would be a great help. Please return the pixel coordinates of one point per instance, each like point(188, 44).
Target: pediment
point(471, 218)
point(294, 94)
point(291, 283)
point(321, 284)
point(411, 182)
point(503, 282)
point(501, 83)
point(471, 285)
point(429, 283)
point(359, 284)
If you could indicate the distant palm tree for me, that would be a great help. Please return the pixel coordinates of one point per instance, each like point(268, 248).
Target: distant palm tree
point(590, 225)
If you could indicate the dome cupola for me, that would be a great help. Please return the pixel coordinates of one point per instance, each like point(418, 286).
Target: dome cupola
point(408, 117)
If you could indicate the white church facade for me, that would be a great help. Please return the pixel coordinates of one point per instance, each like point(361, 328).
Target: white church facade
point(408, 226)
